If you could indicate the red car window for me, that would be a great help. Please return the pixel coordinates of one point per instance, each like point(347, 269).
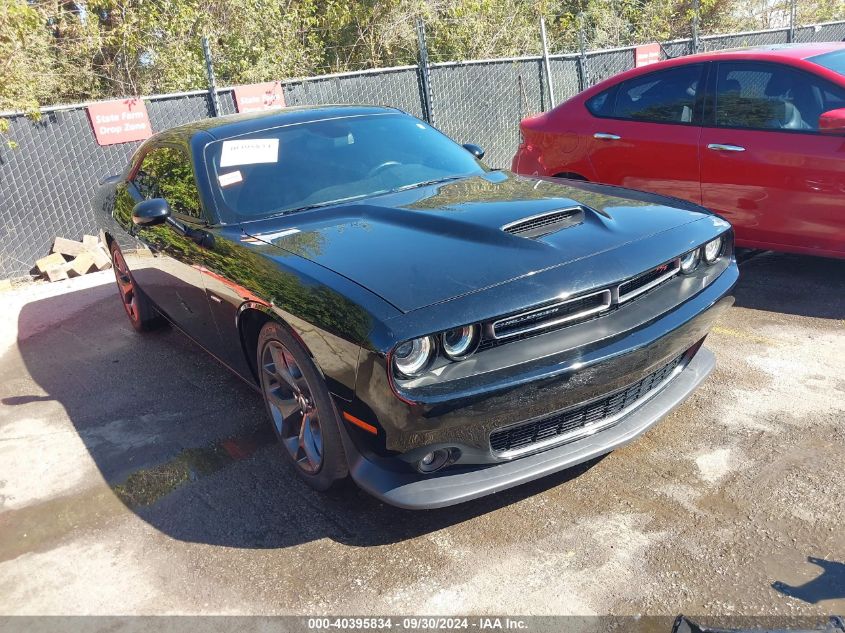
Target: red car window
point(665, 97)
point(769, 97)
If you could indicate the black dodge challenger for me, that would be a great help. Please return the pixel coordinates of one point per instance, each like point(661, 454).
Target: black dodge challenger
point(434, 328)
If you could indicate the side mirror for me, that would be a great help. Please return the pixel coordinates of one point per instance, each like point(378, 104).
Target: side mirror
point(832, 122)
point(475, 150)
point(151, 212)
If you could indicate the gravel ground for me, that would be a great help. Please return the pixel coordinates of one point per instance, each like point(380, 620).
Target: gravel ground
point(137, 477)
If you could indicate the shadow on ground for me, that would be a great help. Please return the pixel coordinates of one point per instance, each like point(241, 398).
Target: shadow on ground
point(186, 445)
point(793, 284)
point(829, 585)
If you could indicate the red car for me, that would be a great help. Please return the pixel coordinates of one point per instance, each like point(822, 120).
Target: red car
point(756, 135)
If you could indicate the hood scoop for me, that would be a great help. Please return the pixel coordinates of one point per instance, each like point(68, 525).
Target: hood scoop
point(536, 226)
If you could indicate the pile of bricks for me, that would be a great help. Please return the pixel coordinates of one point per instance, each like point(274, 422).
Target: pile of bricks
point(70, 258)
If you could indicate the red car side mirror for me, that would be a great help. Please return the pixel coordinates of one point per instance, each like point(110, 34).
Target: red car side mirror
point(832, 121)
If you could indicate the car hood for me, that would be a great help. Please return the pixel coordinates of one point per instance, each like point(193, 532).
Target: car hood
point(431, 244)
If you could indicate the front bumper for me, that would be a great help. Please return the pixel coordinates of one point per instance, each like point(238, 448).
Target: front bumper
point(456, 485)
point(539, 376)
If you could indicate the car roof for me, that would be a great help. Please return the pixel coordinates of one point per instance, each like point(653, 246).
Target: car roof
point(797, 54)
point(774, 51)
point(237, 124)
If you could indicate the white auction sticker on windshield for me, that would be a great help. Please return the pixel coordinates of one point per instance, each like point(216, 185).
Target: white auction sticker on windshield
point(249, 152)
point(230, 178)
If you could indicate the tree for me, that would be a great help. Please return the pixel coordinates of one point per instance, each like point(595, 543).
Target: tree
point(22, 36)
point(54, 51)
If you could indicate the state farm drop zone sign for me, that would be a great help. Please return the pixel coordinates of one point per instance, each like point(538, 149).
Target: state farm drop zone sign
point(646, 54)
point(259, 97)
point(120, 121)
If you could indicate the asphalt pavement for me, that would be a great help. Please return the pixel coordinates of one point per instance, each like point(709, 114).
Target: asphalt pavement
point(138, 476)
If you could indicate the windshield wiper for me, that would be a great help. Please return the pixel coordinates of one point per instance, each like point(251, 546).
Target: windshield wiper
point(426, 183)
point(328, 203)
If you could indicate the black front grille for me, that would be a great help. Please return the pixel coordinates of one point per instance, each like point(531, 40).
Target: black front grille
point(488, 343)
point(519, 323)
point(546, 223)
point(562, 422)
point(540, 321)
point(647, 277)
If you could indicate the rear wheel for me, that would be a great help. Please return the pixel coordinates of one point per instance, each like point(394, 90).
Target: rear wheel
point(300, 408)
point(140, 310)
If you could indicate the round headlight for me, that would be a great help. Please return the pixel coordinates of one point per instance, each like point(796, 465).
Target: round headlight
point(460, 342)
point(411, 357)
point(712, 250)
point(690, 261)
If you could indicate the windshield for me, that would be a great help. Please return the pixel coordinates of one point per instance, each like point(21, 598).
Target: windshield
point(317, 163)
point(834, 61)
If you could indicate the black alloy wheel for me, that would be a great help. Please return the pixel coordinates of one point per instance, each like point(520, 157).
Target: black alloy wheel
point(300, 408)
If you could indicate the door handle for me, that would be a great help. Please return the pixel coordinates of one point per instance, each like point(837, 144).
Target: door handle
point(721, 147)
point(606, 137)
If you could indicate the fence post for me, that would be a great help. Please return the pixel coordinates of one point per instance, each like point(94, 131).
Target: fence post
point(583, 79)
point(546, 63)
point(790, 34)
point(209, 71)
point(696, 9)
point(424, 74)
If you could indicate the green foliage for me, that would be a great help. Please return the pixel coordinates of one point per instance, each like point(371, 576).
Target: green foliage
point(4, 130)
point(25, 65)
point(166, 174)
point(483, 29)
point(58, 52)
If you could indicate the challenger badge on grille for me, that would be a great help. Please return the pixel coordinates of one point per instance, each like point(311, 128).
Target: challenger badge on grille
point(549, 316)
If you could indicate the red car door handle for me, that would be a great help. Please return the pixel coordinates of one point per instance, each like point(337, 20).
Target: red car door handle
point(721, 147)
point(606, 137)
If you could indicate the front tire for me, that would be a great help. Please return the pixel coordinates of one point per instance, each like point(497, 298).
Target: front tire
point(300, 407)
point(141, 311)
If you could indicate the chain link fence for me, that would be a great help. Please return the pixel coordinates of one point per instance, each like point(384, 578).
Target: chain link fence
point(483, 102)
point(831, 32)
point(48, 182)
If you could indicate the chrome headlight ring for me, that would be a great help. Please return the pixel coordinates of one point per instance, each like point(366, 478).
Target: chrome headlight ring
point(712, 250)
point(690, 260)
point(460, 342)
point(413, 357)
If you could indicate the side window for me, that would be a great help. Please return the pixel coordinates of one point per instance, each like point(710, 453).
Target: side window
point(668, 96)
point(602, 103)
point(832, 100)
point(766, 97)
point(166, 173)
point(143, 182)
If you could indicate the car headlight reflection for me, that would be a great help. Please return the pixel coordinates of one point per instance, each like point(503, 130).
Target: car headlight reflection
point(412, 357)
point(460, 342)
point(712, 250)
point(689, 262)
